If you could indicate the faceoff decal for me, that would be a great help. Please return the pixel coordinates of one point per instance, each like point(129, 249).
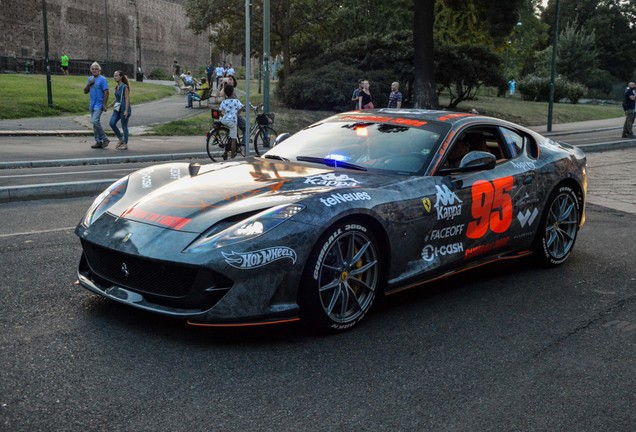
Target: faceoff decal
point(259, 258)
point(332, 179)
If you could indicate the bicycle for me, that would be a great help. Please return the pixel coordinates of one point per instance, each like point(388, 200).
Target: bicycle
point(261, 134)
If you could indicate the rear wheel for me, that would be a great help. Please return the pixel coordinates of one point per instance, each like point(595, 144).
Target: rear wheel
point(559, 227)
point(264, 140)
point(216, 138)
point(341, 279)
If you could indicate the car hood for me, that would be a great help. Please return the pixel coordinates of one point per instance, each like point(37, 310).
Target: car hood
point(192, 198)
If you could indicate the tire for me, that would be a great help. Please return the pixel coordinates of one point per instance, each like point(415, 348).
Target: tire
point(216, 139)
point(558, 228)
point(264, 140)
point(341, 279)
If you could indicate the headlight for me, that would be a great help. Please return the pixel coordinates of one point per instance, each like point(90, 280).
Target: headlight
point(247, 229)
point(105, 200)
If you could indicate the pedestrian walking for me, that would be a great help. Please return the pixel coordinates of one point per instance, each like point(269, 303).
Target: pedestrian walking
point(97, 86)
point(64, 63)
point(121, 110)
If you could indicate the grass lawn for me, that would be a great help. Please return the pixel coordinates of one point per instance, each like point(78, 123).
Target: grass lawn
point(25, 96)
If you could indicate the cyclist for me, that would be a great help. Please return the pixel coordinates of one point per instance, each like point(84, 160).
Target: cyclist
point(231, 107)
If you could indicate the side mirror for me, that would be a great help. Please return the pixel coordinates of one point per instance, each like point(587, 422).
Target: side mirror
point(282, 137)
point(473, 161)
point(478, 160)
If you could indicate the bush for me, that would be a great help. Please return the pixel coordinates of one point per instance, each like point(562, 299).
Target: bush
point(537, 89)
point(159, 74)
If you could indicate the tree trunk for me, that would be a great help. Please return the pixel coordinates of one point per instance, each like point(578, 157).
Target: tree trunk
point(424, 88)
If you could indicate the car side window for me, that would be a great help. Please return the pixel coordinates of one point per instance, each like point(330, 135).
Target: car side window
point(514, 141)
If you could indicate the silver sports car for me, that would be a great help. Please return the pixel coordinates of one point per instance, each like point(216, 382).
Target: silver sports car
point(356, 206)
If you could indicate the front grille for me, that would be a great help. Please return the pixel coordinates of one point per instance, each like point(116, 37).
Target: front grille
point(162, 283)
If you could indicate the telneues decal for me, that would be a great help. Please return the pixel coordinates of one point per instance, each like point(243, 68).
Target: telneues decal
point(338, 198)
point(259, 258)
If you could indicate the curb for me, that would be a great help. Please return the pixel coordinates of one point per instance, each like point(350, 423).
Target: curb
point(577, 132)
point(53, 190)
point(101, 161)
point(94, 187)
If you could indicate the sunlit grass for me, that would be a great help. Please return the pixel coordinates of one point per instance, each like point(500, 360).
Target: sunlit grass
point(24, 96)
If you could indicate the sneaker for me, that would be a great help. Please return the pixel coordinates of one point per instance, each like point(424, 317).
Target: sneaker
point(97, 145)
point(119, 144)
point(224, 156)
point(105, 143)
point(122, 146)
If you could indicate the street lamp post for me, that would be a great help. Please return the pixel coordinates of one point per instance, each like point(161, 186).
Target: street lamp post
point(247, 77)
point(46, 55)
point(553, 69)
point(106, 27)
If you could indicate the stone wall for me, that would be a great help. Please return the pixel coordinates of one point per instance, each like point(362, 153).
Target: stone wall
point(78, 27)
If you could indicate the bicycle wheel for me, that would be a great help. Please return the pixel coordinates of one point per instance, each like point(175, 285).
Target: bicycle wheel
point(264, 139)
point(216, 139)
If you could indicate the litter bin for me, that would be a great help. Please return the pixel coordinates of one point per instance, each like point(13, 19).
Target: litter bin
point(140, 76)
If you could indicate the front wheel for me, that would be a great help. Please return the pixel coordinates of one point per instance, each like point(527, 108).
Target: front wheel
point(341, 279)
point(559, 227)
point(264, 140)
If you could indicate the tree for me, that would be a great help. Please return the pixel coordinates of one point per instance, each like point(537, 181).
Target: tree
point(424, 87)
point(612, 21)
point(462, 69)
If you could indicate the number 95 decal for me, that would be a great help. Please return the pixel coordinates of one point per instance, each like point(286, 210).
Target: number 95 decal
point(491, 208)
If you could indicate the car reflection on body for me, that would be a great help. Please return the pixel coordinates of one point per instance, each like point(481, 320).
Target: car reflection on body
point(359, 205)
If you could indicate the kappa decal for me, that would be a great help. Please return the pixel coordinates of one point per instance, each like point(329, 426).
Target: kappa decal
point(331, 179)
point(259, 258)
point(448, 204)
point(527, 218)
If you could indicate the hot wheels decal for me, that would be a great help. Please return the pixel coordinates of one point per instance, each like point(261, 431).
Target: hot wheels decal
point(491, 208)
point(259, 258)
point(331, 179)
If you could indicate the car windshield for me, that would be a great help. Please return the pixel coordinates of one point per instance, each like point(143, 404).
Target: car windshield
point(352, 142)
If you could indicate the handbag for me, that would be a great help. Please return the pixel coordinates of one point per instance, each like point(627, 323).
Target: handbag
point(117, 106)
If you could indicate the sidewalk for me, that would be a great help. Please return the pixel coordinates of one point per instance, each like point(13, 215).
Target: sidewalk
point(65, 142)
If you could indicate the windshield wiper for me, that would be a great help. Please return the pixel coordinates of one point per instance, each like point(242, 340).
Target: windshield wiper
point(276, 157)
point(330, 162)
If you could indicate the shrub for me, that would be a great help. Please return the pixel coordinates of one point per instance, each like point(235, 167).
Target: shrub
point(159, 74)
point(537, 89)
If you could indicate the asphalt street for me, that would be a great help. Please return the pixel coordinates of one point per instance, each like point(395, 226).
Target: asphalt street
point(509, 347)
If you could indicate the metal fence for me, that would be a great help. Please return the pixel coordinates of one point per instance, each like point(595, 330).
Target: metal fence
point(28, 65)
